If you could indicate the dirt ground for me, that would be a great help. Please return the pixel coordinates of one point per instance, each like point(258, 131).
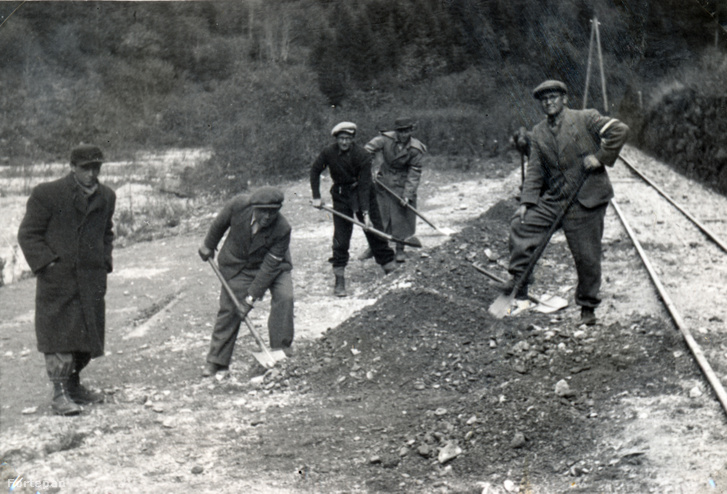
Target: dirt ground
point(408, 384)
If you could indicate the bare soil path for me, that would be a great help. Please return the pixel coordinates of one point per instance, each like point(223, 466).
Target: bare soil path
point(383, 382)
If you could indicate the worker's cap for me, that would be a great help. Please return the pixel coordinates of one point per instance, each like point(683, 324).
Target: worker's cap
point(403, 124)
point(86, 154)
point(549, 87)
point(347, 127)
point(267, 197)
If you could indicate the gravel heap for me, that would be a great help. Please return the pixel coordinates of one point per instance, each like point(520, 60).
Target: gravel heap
point(445, 383)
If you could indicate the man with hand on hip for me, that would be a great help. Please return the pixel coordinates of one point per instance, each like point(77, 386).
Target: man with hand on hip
point(564, 146)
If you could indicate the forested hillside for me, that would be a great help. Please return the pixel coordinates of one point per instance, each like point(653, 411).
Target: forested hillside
point(261, 82)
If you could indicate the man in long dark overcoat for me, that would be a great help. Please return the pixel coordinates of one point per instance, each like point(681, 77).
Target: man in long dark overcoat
point(66, 237)
point(400, 171)
point(254, 258)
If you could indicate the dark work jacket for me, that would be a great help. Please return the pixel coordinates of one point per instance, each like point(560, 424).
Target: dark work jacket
point(264, 255)
point(350, 173)
point(61, 225)
point(556, 159)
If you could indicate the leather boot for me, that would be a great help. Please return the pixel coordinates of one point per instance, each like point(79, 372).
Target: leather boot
point(81, 394)
point(389, 267)
point(522, 293)
point(340, 289)
point(62, 403)
point(400, 256)
point(211, 369)
point(588, 316)
point(367, 254)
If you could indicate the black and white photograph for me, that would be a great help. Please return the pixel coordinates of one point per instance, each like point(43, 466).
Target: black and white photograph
point(363, 247)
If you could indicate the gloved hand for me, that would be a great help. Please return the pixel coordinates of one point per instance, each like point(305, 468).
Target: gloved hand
point(367, 220)
point(521, 141)
point(245, 307)
point(404, 202)
point(47, 266)
point(317, 203)
point(520, 212)
point(206, 253)
point(591, 163)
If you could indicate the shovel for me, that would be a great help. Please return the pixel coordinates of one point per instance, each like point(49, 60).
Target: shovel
point(265, 357)
point(522, 169)
point(502, 304)
point(442, 231)
point(546, 305)
point(411, 241)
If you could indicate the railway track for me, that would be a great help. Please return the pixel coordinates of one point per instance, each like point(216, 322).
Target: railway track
point(677, 229)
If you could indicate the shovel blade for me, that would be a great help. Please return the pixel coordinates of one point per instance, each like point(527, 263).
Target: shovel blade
point(551, 304)
point(445, 231)
point(413, 242)
point(501, 305)
point(269, 358)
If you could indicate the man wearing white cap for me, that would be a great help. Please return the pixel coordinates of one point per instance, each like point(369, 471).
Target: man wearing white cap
point(350, 168)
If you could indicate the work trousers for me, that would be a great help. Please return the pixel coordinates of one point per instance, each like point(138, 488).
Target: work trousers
point(343, 229)
point(583, 229)
point(397, 220)
point(60, 366)
point(227, 325)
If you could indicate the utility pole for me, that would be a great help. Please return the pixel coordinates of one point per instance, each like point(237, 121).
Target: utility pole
point(588, 68)
point(595, 36)
point(600, 64)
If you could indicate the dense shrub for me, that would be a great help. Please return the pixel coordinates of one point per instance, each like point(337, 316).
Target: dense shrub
point(263, 82)
point(273, 126)
point(686, 121)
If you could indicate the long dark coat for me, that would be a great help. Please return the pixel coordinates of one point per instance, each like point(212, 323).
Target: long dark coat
point(400, 171)
point(61, 225)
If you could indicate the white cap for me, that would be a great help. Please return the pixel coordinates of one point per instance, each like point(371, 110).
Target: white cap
point(348, 127)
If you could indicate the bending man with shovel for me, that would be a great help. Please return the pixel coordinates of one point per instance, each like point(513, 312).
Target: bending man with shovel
point(566, 186)
point(254, 258)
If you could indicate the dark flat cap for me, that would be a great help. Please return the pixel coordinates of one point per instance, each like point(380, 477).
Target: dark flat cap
point(85, 154)
point(403, 124)
point(267, 197)
point(549, 86)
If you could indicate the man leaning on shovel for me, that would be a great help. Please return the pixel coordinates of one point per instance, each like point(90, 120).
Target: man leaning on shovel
point(566, 147)
point(350, 168)
point(254, 258)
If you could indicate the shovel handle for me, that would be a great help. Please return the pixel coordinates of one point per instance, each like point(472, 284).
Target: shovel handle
point(414, 210)
point(523, 161)
point(232, 296)
point(544, 242)
point(256, 335)
point(367, 228)
point(496, 278)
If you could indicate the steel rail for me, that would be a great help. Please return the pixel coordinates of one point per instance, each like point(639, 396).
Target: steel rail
point(678, 320)
point(712, 236)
